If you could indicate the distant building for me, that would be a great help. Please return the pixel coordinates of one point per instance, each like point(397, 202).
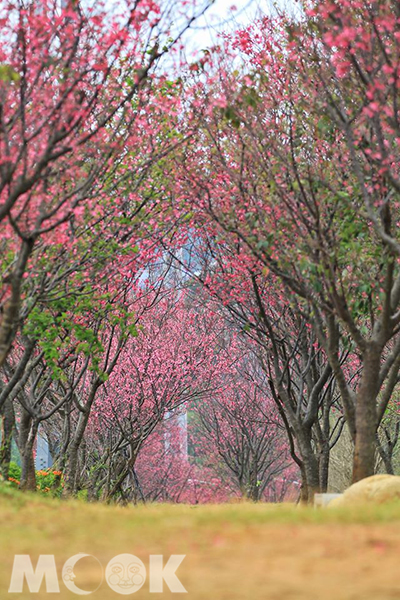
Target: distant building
point(177, 427)
point(43, 459)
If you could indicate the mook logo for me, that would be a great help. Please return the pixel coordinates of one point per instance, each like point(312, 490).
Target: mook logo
point(124, 574)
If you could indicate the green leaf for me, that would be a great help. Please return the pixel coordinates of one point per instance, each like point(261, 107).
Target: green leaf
point(7, 73)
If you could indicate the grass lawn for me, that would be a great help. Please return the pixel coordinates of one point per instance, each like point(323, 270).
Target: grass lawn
point(235, 551)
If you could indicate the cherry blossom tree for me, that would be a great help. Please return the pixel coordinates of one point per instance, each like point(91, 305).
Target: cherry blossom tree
point(297, 159)
point(240, 435)
point(290, 357)
point(166, 474)
point(175, 359)
point(219, 238)
point(75, 99)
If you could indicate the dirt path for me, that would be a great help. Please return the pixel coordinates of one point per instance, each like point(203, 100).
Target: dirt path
point(239, 552)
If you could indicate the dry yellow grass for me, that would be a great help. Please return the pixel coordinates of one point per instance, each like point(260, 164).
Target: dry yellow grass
point(233, 552)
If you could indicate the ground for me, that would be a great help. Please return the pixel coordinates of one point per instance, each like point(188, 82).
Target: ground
point(233, 552)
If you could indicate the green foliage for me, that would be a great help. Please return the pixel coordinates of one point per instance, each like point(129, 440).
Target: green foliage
point(55, 325)
point(63, 325)
point(266, 243)
point(82, 495)
point(231, 116)
point(48, 481)
point(14, 474)
point(251, 97)
point(7, 73)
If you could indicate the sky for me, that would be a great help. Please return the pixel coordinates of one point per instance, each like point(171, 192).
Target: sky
point(221, 17)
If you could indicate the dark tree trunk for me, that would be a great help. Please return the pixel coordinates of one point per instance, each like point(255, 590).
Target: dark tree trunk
point(7, 431)
point(71, 475)
point(27, 436)
point(390, 434)
point(366, 418)
point(364, 446)
point(127, 468)
point(310, 483)
point(387, 460)
point(324, 468)
point(312, 476)
point(10, 312)
point(310, 467)
point(303, 499)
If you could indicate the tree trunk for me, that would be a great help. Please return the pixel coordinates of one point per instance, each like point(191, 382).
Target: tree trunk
point(71, 476)
point(310, 484)
point(364, 447)
point(312, 476)
point(253, 487)
point(386, 451)
point(310, 467)
point(27, 436)
point(10, 310)
point(127, 468)
point(7, 430)
point(303, 499)
point(324, 468)
point(366, 418)
point(388, 462)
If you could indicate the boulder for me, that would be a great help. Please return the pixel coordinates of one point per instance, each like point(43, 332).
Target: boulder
point(377, 489)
